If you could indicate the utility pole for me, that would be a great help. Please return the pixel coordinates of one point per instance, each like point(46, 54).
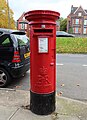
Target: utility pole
point(8, 14)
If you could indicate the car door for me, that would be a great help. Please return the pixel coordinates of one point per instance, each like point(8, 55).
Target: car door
point(6, 48)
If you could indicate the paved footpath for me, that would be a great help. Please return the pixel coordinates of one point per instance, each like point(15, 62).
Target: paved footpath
point(14, 105)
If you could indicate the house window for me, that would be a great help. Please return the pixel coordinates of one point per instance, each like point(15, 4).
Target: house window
point(22, 26)
point(79, 14)
point(84, 32)
point(77, 21)
point(76, 30)
point(25, 26)
point(23, 19)
point(85, 22)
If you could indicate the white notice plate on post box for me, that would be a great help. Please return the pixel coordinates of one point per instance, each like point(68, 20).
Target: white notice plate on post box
point(43, 45)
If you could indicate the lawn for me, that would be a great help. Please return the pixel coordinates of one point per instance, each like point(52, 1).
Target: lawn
point(71, 45)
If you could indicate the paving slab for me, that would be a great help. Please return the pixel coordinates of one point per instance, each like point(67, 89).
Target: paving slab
point(28, 115)
point(63, 117)
point(14, 105)
point(12, 97)
point(6, 113)
point(70, 107)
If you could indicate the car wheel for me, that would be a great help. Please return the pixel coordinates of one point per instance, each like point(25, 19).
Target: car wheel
point(4, 77)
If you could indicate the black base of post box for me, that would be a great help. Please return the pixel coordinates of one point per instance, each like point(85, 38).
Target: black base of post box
point(42, 104)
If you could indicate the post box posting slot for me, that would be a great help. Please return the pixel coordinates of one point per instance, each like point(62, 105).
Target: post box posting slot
point(40, 31)
point(43, 30)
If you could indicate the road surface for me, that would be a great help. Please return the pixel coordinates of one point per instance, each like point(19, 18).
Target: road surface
point(72, 76)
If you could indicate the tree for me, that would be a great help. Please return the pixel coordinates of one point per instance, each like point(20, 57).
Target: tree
point(63, 24)
point(70, 30)
point(4, 15)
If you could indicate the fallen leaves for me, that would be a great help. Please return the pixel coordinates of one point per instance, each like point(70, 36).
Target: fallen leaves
point(62, 85)
point(18, 87)
point(60, 93)
point(78, 84)
point(26, 107)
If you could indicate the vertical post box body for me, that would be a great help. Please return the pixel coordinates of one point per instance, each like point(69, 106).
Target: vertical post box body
point(42, 60)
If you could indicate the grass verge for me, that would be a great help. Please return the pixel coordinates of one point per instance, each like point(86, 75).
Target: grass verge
point(71, 45)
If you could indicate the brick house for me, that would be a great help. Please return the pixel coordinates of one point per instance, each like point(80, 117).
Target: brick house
point(22, 24)
point(77, 21)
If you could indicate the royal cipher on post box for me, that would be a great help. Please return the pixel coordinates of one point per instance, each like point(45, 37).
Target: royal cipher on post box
point(42, 60)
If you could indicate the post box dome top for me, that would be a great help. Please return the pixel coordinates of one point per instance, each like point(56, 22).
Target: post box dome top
point(41, 14)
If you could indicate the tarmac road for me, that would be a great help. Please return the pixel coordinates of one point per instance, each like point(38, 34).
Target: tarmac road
point(71, 77)
point(22, 83)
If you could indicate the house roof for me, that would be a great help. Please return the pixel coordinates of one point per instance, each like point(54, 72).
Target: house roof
point(21, 16)
point(74, 9)
point(86, 11)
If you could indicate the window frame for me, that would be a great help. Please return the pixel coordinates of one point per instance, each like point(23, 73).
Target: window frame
point(76, 30)
point(79, 14)
point(85, 22)
point(22, 26)
point(84, 31)
point(76, 21)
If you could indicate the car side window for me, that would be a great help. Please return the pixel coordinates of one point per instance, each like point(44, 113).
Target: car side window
point(5, 42)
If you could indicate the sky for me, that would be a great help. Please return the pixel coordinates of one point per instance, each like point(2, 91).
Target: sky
point(61, 6)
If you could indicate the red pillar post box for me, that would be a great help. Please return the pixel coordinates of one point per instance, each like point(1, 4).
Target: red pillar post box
point(42, 60)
